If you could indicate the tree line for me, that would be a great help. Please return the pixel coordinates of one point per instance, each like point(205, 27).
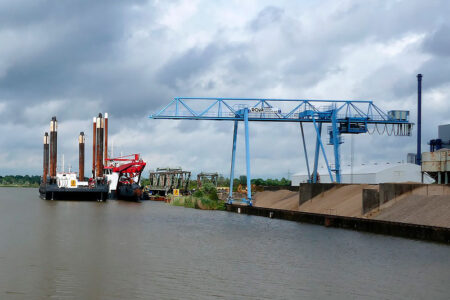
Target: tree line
point(27, 180)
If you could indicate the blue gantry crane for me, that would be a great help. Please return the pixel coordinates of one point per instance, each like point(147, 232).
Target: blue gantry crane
point(345, 117)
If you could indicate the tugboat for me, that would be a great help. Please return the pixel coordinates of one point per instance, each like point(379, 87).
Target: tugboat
point(124, 175)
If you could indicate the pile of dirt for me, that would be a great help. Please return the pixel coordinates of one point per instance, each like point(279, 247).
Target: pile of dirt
point(340, 200)
point(282, 199)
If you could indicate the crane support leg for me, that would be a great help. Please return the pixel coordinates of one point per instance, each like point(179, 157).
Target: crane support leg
point(247, 158)
point(304, 149)
point(336, 144)
point(316, 153)
point(233, 158)
point(323, 150)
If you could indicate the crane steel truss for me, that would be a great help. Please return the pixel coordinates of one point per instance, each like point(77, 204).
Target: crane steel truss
point(345, 116)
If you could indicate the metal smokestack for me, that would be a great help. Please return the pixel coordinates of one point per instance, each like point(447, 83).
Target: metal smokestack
point(46, 153)
point(53, 147)
point(419, 119)
point(94, 142)
point(81, 142)
point(106, 139)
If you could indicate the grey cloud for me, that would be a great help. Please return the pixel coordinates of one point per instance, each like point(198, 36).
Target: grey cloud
point(192, 62)
point(266, 17)
point(438, 42)
point(76, 35)
point(70, 58)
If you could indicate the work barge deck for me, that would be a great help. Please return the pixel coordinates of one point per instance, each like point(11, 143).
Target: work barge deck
point(69, 186)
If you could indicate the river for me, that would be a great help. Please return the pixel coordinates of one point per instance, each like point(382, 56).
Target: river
point(122, 250)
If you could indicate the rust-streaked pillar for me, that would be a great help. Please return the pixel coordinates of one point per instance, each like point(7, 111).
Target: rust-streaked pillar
point(46, 153)
point(81, 143)
point(53, 147)
point(106, 139)
point(99, 148)
point(94, 146)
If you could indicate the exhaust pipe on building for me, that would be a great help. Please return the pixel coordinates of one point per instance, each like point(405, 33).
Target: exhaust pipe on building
point(419, 119)
point(46, 153)
point(81, 142)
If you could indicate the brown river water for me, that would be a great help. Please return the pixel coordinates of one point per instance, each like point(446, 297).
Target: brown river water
point(121, 250)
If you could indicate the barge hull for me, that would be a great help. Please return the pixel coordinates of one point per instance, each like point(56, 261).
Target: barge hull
point(53, 192)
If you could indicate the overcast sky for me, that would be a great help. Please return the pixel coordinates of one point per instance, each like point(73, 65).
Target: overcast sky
point(74, 59)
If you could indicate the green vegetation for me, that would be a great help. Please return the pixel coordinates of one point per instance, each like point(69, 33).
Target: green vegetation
point(271, 182)
point(186, 201)
point(204, 198)
point(145, 181)
point(20, 181)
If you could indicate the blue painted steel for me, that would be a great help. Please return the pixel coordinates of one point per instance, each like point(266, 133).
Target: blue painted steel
point(336, 144)
point(303, 110)
point(233, 158)
point(323, 150)
point(346, 117)
point(247, 158)
point(317, 152)
point(306, 152)
point(419, 119)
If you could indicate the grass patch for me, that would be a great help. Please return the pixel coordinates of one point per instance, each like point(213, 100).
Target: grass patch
point(185, 201)
point(204, 198)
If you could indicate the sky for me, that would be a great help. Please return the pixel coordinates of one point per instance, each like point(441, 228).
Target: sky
point(74, 59)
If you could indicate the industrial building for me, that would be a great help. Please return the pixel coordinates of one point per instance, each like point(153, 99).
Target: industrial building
point(371, 174)
point(436, 163)
point(443, 140)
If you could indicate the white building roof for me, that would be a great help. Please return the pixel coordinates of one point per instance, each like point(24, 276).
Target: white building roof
point(358, 169)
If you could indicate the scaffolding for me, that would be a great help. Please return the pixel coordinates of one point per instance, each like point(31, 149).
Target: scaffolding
point(164, 180)
point(203, 177)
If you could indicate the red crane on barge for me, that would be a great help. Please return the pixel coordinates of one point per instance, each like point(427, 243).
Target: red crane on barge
point(124, 175)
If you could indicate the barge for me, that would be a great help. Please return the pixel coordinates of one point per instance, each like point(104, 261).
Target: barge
point(112, 178)
point(67, 186)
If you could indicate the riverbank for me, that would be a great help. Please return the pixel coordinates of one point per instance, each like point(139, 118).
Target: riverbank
point(408, 203)
point(411, 231)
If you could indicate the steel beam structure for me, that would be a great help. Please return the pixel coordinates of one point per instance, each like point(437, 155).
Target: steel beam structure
point(345, 117)
point(233, 158)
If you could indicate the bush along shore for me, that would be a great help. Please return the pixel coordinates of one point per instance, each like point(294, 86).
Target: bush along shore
point(203, 198)
point(20, 181)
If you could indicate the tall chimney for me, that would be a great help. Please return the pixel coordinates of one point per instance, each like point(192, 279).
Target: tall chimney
point(419, 119)
point(94, 142)
point(53, 147)
point(46, 152)
point(81, 143)
point(99, 149)
point(106, 138)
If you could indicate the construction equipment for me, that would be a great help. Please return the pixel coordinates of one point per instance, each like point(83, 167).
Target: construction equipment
point(345, 117)
point(124, 175)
